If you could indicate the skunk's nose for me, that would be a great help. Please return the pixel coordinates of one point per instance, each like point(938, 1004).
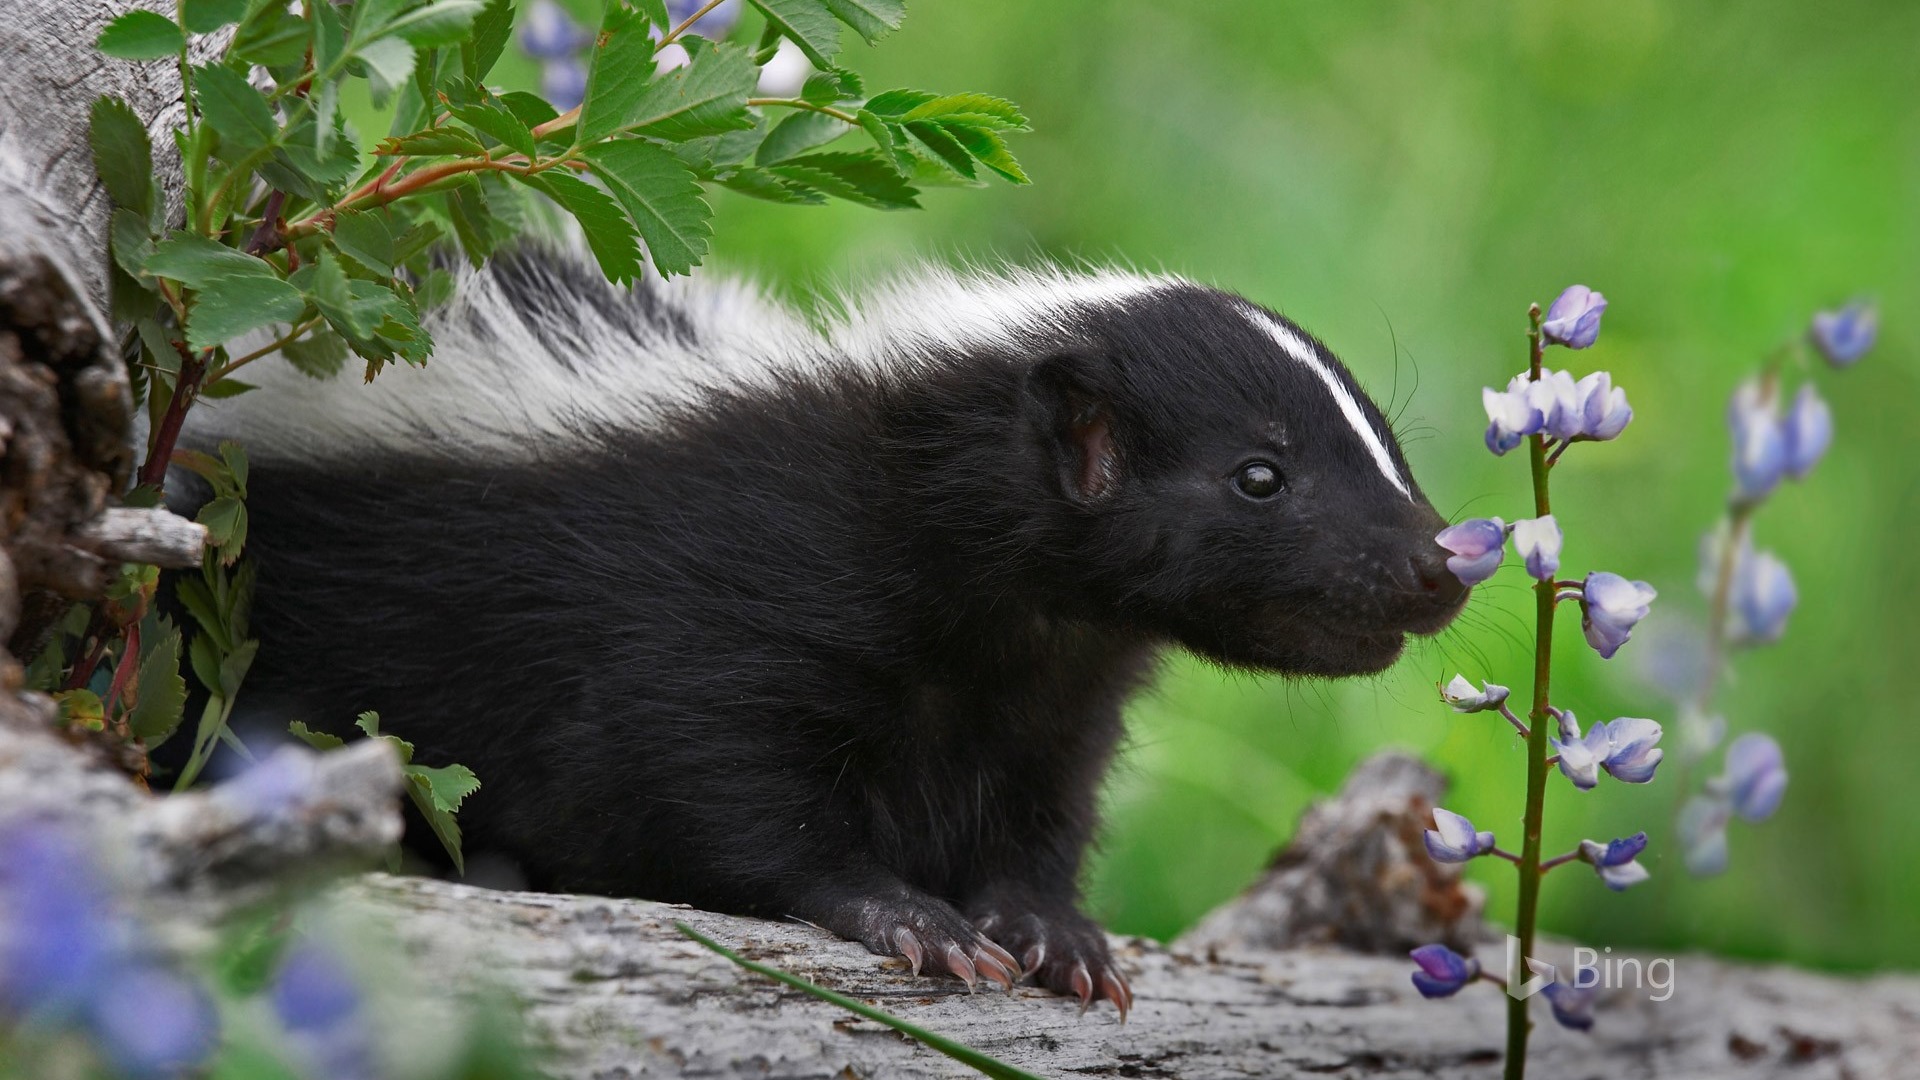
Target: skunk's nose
point(1432, 581)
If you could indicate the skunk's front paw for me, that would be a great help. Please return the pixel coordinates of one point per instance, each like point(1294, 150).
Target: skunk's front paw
point(933, 937)
point(1061, 949)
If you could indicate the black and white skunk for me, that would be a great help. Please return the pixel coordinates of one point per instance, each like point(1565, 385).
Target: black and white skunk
point(823, 620)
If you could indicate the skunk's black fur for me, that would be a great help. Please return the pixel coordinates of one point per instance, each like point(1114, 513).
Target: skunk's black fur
point(845, 639)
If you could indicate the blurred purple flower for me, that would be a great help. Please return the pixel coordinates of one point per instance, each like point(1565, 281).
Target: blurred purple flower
point(1703, 834)
point(278, 787)
point(1442, 971)
point(1572, 1005)
point(1464, 698)
point(1844, 336)
point(1478, 545)
point(1763, 596)
point(1631, 754)
point(1604, 412)
point(563, 83)
point(714, 24)
point(1574, 318)
point(1759, 441)
point(1616, 860)
point(1610, 607)
point(1756, 776)
point(548, 32)
point(1453, 838)
point(153, 1023)
point(1538, 541)
point(1808, 432)
point(318, 1003)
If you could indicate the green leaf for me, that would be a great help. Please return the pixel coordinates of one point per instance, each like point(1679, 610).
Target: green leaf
point(444, 827)
point(834, 84)
point(432, 25)
point(131, 243)
point(893, 104)
point(473, 223)
point(609, 234)
point(193, 260)
point(369, 722)
point(366, 237)
point(621, 71)
point(389, 63)
point(234, 457)
point(431, 143)
point(160, 694)
point(449, 784)
point(531, 109)
point(491, 29)
point(663, 198)
point(141, 35)
point(82, 709)
point(863, 177)
point(226, 388)
point(506, 128)
point(121, 154)
point(319, 354)
point(944, 146)
point(202, 16)
point(319, 740)
point(229, 305)
point(272, 35)
point(222, 517)
point(989, 148)
point(706, 96)
point(234, 109)
point(762, 184)
point(808, 24)
point(329, 38)
point(871, 19)
point(979, 110)
point(882, 135)
point(797, 134)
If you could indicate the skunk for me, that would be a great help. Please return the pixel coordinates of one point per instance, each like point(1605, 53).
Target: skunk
point(828, 617)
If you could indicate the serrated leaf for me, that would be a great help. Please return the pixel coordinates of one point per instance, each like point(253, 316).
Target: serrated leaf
point(663, 198)
point(319, 740)
point(221, 516)
point(202, 16)
point(431, 143)
point(882, 135)
point(320, 354)
point(435, 24)
point(797, 134)
point(622, 68)
point(863, 177)
point(130, 242)
point(141, 35)
point(366, 237)
point(979, 110)
point(271, 35)
point(609, 234)
point(808, 24)
point(234, 457)
point(121, 154)
point(989, 148)
point(389, 62)
point(369, 722)
point(234, 109)
point(226, 388)
point(706, 96)
point(329, 37)
point(193, 260)
point(81, 709)
point(762, 184)
point(229, 305)
point(871, 19)
point(506, 128)
point(491, 29)
point(943, 145)
point(531, 109)
point(473, 223)
point(444, 827)
point(449, 784)
point(834, 84)
point(160, 694)
point(893, 104)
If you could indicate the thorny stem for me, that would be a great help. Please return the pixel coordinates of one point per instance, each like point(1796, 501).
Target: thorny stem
point(1519, 1022)
point(380, 192)
point(186, 387)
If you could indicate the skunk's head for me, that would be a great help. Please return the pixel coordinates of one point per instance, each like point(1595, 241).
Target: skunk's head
point(1227, 484)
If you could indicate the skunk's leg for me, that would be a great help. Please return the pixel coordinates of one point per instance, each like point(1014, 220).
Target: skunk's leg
point(1061, 949)
point(892, 918)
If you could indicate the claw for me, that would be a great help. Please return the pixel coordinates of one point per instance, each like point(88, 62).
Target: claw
point(1036, 955)
point(1116, 990)
point(1002, 957)
point(992, 970)
point(1083, 985)
point(909, 947)
point(958, 963)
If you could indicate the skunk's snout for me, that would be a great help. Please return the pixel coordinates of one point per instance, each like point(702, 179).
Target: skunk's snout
point(1429, 577)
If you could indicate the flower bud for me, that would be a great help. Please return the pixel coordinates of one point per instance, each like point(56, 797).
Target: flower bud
point(1442, 971)
point(1453, 838)
point(1611, 606)
point(1808, 432)
point(1763, 597)
point(1464, 698)
point(1756, 776)
point(1615, 861)
point(1604, 412)
point(1478, 546)
point(1572, 1005)
point(1759, 441)
point(1844, 336)
point(1538, 541)
point(1580, 758)
point(1703, 834)
point(1574, 318)
point(1631, 754)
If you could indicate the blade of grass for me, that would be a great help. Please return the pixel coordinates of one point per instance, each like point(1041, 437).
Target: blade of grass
point(966, 1055)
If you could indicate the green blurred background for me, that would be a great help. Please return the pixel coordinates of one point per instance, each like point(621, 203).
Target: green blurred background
point(1403, 178)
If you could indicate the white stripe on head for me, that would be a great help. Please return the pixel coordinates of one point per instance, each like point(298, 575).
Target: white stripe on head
point(1302, 350)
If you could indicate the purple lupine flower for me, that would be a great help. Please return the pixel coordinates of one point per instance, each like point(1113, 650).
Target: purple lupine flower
point(1511, 417)
point(1610, 607)
point(1703, 834)
point(153, 1023)
point(1756, 776)
point(1604, 412)
point(1808, 431)
point(563, 83)
point(1461, 695)
point(1631, 754)
point(1574, 318)
point(1844, 336)
point(1442, 971)
point(1538, 541)
point(59, 941)
point(321, 1009)
point(1759, 441)
point(714, 24)
point(1454, 840)
point(1572, 1005)
point(1478, 546)
point(1763, 597)
point(1580, 756)
point(1616, 861)
point(548, 32)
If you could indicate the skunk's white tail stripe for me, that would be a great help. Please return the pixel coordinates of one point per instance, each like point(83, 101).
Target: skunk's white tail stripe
point(1298, 348)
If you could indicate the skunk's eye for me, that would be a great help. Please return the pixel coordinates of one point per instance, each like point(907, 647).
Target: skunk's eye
point(1258, 480)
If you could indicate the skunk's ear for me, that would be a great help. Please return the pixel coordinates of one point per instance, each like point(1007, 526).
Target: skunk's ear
point(1077, 417)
